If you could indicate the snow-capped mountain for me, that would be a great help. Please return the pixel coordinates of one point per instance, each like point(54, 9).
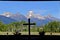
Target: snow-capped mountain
point(19, 17)
point(7, 14)
point(37, 18)
point(16, 16)
point(31, 14)
point(41, 20)
point(6, 20)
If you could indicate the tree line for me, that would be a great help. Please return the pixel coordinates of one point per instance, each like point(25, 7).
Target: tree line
point(53, 26)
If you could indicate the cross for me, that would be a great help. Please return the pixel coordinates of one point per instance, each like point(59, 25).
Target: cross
point(29, 24)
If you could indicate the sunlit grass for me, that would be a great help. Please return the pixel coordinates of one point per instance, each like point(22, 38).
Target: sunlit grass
point(26, 33)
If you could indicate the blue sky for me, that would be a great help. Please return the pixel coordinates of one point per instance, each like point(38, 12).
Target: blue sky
point(39, 7)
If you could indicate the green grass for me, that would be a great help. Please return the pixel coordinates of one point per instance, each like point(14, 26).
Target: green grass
point(22, 33)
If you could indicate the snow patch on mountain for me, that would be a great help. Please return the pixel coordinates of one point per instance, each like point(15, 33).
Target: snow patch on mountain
point(31, 14)
point(7, 14)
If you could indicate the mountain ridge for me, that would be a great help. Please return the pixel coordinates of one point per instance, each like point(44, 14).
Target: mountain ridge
point(38, 19)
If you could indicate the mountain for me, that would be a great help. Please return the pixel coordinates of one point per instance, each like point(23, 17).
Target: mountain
point(7, 14)
point(6, 20)
point(41, 20)
point(17, 16)
point(36, 18)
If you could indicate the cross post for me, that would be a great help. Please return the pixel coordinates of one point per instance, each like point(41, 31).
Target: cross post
point(29, 24)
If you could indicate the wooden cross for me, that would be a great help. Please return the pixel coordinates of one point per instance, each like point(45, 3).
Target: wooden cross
point(29, 24)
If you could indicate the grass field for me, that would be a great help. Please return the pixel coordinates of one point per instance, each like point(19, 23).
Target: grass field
point(26, 33)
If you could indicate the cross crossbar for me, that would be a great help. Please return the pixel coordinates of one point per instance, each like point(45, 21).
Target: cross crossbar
point(29, 24)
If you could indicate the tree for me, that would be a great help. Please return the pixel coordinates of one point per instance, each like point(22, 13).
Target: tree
point(16, 26)
point(3, 27)
point(52, 26)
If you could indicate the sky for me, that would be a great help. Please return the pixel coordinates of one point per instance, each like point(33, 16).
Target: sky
point(38, 7)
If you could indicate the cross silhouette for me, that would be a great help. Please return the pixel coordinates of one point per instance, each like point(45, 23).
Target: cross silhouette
point(29, 24)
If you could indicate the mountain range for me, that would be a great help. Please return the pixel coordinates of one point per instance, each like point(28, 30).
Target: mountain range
point(8, 17)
